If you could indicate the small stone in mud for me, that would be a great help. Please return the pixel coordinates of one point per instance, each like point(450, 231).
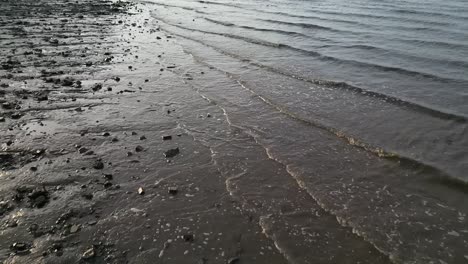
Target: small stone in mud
point(96, 87)
point(233, 260)
point(139, 148)
point(89, 63)
point(141, 191)
point(115, 139)
point(188, 237)
point(142, 138)
point(129, 154)
point(107, 184)
point(172, 190)
point(172, 153)
point(146, 80)
point(33, 168)
point(134, 133)
point(2, 119)
point(117, 79)
point(74, 229)
point(89, 253)
point(167, 137)
point(105, 134)
point(20, 248)
point(98, 165)
point(87, 196)
point(16, 115)
point(108, 176)
point(109, 89)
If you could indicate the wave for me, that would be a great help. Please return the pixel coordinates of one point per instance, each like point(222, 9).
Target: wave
point(303, 25)
point(359, 15)
point(343, 85)
point(227, 24)
point(318, 55)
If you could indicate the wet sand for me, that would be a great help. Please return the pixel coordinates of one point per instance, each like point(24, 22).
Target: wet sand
point(88, 122)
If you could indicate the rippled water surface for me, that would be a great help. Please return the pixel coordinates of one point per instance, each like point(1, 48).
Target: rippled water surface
point(364, 103)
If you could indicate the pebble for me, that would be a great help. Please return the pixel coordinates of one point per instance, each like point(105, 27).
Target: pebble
point(172, 153)
point(167, 137)
point(74, 229)
point(89, 253)
point(172, 190)
point(139, 148)
point(141, 191)
point(98, 165)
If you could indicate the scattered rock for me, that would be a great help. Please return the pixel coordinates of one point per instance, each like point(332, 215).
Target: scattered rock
point(139, 148)
point(188, 238)
point(233, 260)
point(107, 184)
point(172, 153)
point(82, 150)
point(16, 115)
point(87, 195)
point(98, 165)
point(20, 248)
point(142, 138)
point(96, 87)
point(172, 190)
point(167, 137)
point(89, 253)
point(74, 229)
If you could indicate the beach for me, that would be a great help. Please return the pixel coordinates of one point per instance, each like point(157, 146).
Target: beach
point(130, 137)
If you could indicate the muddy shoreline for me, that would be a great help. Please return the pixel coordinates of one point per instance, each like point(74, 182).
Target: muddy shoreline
point(123, 142)
point(87, 177)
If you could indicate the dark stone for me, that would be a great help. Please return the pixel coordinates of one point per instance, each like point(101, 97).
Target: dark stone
point(98, 165)
point(108, 176)
point(96, 87)
point(89, 253)
point(167, 137)
point(105, 134)
point(172, 190)
point(139, 148)
point(16, 115)
point(107, 184)
point(20, 248)
point(233, 260)
point(172, 153)
point(142, 138)
point(188, 238)
point(87, 196)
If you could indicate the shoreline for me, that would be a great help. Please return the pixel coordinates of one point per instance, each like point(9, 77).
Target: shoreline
point(124, 143)
point(87, 169)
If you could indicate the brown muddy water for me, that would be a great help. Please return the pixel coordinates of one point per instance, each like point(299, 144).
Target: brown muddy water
point(131, 136)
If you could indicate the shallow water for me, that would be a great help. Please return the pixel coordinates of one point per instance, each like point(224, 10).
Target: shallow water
point(362, 104)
